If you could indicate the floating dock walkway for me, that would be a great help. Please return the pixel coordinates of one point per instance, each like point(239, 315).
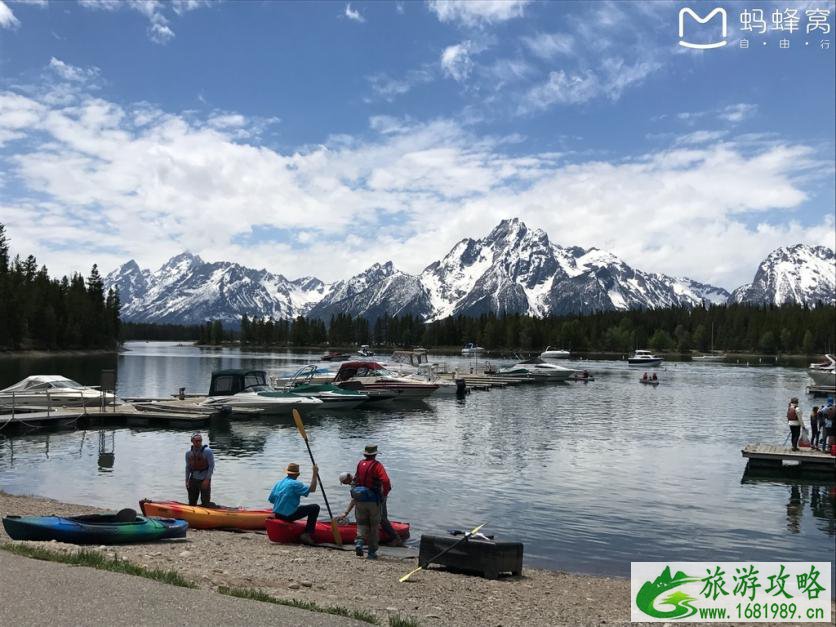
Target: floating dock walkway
point(821, 390)
point(772, 457)
point(130, 413)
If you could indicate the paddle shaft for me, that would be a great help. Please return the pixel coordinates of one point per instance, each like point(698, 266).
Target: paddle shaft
point(319, 479)
point(449, 548)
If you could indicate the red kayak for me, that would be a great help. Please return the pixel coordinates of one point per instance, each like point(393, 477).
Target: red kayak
point(288, 533)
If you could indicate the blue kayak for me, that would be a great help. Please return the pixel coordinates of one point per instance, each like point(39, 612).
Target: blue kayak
point(121, 528)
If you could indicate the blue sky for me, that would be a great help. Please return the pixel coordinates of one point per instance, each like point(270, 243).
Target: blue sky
point(318, 138)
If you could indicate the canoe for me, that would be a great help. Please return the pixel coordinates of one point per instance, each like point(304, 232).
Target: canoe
point(288, 533)
point(93, 529)
point(199, 517)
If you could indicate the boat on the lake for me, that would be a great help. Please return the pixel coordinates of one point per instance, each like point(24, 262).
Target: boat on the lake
point(118, 528)
point(369, 377)
point(365, 351)
point(214, 517)
point(649, 381)
point(289, 532)
point(823, 373)
point(539, 369)
point(332, 396)
point(709, 357)
point(239, 389)
point(52, 390)
point(644, 358)
point(554, 353)
point(335, 356)
point(472, 349)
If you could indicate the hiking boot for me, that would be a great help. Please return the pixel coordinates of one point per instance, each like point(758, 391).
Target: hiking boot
point(358, 550)
point(372, 555)
point(306, 539)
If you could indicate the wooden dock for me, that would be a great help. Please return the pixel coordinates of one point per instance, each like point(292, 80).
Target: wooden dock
point(821, 390)
point(126, 412)
point(776, 457)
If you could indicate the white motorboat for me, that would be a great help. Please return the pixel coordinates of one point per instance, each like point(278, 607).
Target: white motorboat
point(247, 390)
point(263, 399)
point(333, 396)
point(472, 349)
point(47, 390)
point(369, 377)
point(539, 369)
point(365, 351)
point(824, 373)
point(644, 358)
point(554, 353)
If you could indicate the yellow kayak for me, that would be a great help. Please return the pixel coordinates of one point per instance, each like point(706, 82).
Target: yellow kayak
point(216, 517)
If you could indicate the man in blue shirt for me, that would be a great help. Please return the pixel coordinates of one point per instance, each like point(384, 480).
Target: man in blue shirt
point(200, 464)
point(285, 497)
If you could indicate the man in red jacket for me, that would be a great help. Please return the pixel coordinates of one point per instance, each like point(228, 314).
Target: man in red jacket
point(371, 486)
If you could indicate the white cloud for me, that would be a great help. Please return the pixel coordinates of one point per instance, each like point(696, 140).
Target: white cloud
point(7, 18)
point(547, 46)
point(156, 183)
point(353, 14)
point(738, 112)
point(477, 12)
point(72, 73)
point(456, 62)
point(701, 137)
point(567, 88)
point(388, 88)
point(159, 28)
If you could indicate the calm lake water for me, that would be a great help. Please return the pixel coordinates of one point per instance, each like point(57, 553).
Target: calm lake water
point(589, 476)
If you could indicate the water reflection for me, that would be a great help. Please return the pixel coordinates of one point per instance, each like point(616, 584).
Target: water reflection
point(589, 476)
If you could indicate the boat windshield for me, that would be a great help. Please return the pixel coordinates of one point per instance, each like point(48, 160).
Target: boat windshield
point(258, 388)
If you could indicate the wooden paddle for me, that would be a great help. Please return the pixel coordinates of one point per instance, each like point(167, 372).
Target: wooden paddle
point(297, 418)
point(435, 557)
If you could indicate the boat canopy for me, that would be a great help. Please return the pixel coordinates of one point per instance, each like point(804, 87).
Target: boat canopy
point(352, 369)
point(232, 381)
point(42, 383)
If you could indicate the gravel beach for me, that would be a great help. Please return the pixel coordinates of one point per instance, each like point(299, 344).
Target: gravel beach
point(332, 577)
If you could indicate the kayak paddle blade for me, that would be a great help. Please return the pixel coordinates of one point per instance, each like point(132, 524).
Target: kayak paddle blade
point(338, 539)
point(297, 418)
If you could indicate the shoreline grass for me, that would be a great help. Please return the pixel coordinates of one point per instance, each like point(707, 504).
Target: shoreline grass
point(94, 559)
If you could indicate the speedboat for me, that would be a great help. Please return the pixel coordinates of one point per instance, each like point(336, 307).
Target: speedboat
point(554, 353)
point(332, 396)
point(247, 390)
point(52, 389)
point(823, 373)
point(644, 358)
point(369, 377)
point(365, 351)
point(539, 369)
point(471, 349)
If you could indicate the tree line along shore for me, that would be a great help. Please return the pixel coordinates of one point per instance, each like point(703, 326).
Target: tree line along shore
point(38, 312)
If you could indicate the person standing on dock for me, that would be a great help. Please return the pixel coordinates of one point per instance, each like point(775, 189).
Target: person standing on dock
point(794, 421)
point(371, 487)
point(814, 427)
point(200, 464)
point(285, 497)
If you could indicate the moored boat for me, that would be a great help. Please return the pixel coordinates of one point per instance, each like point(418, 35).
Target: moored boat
point(823, 373)
point(200, 517)
point(52, 389)
point(238, 389)
point(472, 349)
point(369, 377)
point(119, 528)
point(288, 533)
point(554, 353)
point(332, 396)
point(335, 356)
point(644, 358)
point(539, 369)
point(365, 351)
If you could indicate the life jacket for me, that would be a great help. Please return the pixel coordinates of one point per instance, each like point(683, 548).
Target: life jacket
point(197, 459)
point(365, 478)
point(364, 494)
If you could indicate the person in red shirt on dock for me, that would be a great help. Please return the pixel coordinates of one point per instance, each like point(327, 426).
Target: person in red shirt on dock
point(370, 488)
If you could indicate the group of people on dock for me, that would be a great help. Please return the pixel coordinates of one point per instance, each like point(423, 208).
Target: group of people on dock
point(369, 488)
point(823, 434)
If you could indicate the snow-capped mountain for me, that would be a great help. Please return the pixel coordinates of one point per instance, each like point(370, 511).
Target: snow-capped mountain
point(513, 269)
point(518, 270)
point(797, 274)
point(379, 290)
point(188, 290)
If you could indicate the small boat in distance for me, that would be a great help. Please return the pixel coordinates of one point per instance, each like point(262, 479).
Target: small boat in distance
point(335, 356)
point(365, 351)
point(554, 353)
point(472, 349)
point(644, 358)
point(538, 369)
point(823, 373)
